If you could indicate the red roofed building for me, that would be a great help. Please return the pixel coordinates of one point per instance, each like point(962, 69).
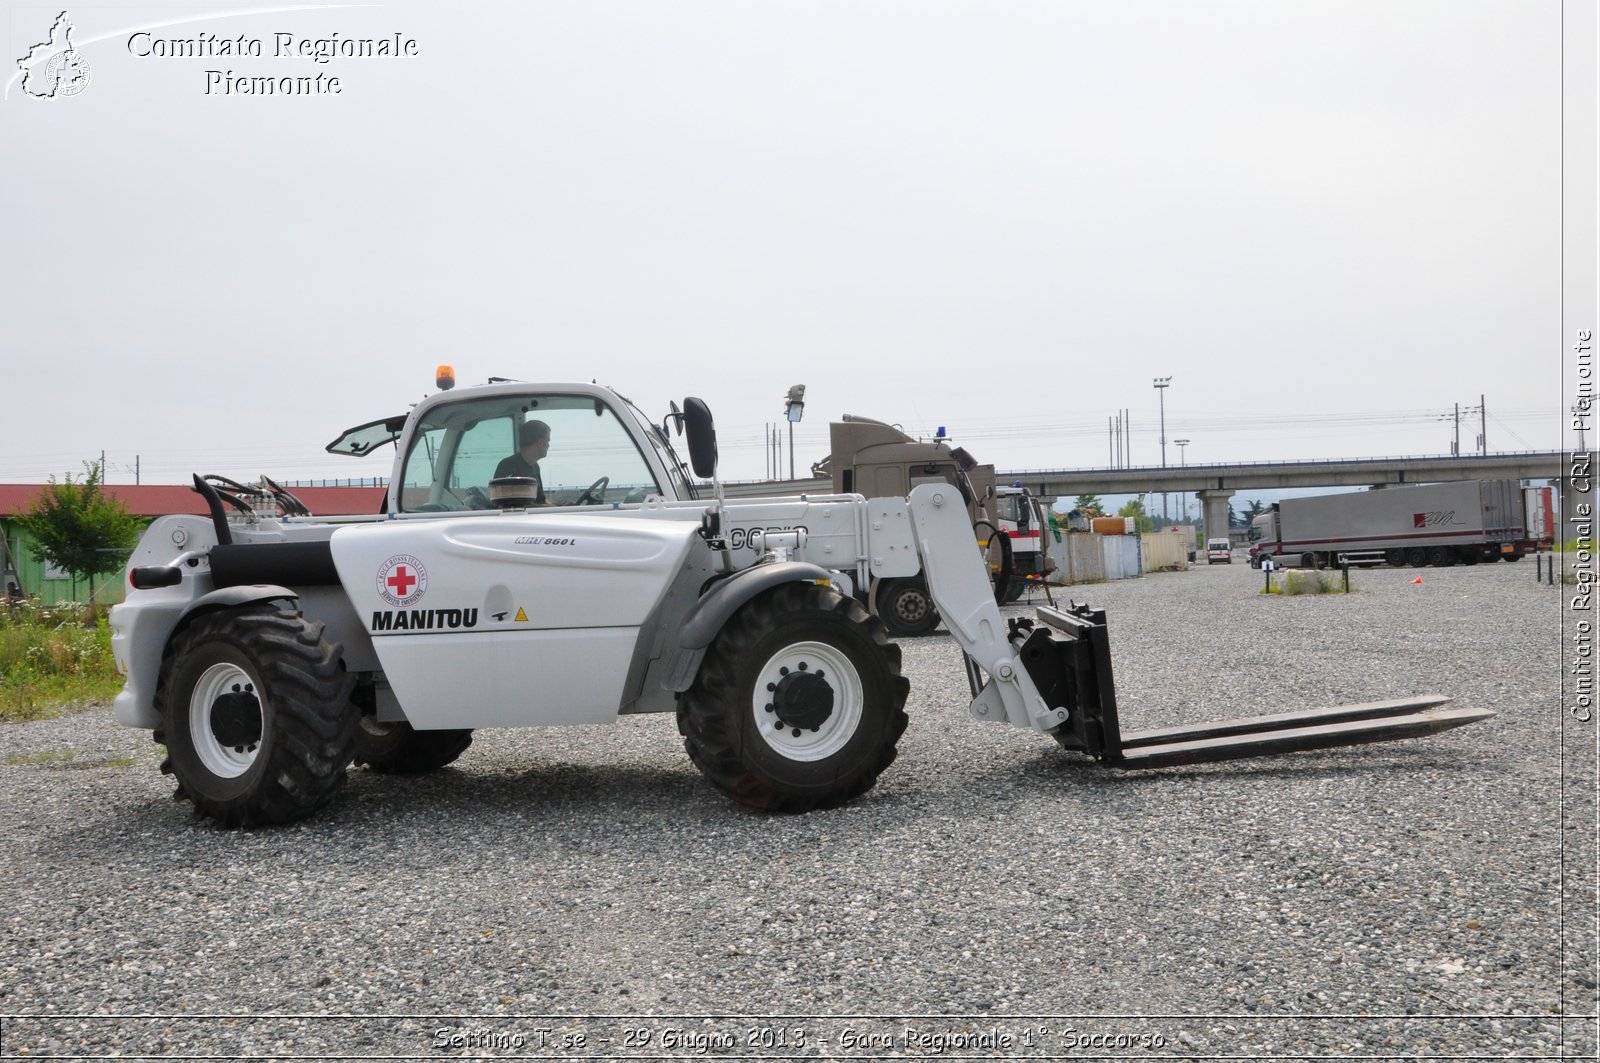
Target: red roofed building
point(20, 563)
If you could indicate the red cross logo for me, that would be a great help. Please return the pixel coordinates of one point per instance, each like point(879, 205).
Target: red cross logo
point(402, 581)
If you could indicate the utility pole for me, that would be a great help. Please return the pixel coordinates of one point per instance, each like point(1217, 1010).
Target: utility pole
point(1483, 426)
point(1161, 384)
point(1183, 461)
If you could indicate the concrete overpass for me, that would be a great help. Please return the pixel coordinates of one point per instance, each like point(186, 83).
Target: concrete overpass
point(1215, 485)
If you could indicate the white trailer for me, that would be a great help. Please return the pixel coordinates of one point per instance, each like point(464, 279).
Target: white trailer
point(1427, 524)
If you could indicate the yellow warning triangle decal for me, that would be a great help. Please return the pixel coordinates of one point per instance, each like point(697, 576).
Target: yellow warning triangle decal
point(522, 617)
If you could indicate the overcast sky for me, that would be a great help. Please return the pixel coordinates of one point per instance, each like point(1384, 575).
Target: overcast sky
point(1328, 223)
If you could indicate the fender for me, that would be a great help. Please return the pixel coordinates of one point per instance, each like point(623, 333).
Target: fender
point(150, 631)
point(717, 605)
point(231, 598)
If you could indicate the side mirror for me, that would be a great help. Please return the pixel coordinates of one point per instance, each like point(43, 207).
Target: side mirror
point(702, 437)
point(673, 418)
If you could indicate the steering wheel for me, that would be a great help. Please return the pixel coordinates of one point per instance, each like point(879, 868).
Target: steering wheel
point(593, 495)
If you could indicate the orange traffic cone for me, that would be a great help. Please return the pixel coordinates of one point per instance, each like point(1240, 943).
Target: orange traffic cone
point(1417, 580)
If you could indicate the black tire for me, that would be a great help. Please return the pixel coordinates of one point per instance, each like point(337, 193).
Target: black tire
point(906, 608)
point(1395, 558)
point(399, 749)
point(1014, 589)
point(1469, 555)
point(1441, 556)
point(256, 715)
point(1416, 556)
point(818, 664)
point(1309, 560)
point(1512, 557)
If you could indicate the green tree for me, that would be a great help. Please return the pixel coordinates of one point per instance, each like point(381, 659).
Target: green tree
point(1135, 508)
point(1254, 510)
point(79, 528)
point(1089, 505)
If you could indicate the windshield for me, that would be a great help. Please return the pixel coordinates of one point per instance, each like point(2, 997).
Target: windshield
point(584, 453)
point(1013, 508)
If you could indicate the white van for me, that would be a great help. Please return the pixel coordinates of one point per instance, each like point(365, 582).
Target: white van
point(1219, 550)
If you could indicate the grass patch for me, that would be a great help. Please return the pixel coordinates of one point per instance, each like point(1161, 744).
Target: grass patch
point(59, 759)
point(53, 659)
point(48, 756)
point(1292, 582)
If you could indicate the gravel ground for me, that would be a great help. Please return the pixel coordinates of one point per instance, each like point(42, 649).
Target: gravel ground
point(555, 890)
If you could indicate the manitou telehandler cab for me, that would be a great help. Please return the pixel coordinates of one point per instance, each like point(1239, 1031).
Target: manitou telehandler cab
point(268, 649)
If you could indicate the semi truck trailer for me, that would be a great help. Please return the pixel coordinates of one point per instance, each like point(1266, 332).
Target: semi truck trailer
point(1439, 524)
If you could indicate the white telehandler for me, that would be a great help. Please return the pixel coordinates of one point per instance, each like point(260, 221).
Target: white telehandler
point(268, 649)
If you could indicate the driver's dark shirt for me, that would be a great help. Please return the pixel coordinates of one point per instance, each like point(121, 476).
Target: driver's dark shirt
point(515, 466)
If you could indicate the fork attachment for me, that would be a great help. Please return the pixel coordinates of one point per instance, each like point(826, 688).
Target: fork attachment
point(1068, 657)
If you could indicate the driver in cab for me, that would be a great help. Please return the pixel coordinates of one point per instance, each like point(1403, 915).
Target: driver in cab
point(533, 443)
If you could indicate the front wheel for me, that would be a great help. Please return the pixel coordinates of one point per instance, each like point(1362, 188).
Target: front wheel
point(255, 714)
point(798, 704)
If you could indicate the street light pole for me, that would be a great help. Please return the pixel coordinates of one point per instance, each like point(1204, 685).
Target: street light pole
point(1162, 382)
point(794, 407)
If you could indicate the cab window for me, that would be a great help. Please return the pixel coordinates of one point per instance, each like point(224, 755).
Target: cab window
point(458, 446)
point(1013, 508)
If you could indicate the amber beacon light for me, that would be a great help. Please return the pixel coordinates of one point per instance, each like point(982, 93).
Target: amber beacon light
point(445, 377)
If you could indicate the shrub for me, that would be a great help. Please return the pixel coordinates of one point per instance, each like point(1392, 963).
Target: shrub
point(1306, 581)
point(53, 657)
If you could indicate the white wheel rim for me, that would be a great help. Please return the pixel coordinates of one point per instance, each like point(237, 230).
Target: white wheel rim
point(832, 734)
point(228, 762)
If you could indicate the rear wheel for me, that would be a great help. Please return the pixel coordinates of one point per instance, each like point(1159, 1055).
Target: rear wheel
point(255, 715)
point(906, 608)
point(1394, 558)
point(1416, 556)
point(1441, 556)
point(1470, 555)
point(399, 749)
point(799, 702)
point(1512, 557)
